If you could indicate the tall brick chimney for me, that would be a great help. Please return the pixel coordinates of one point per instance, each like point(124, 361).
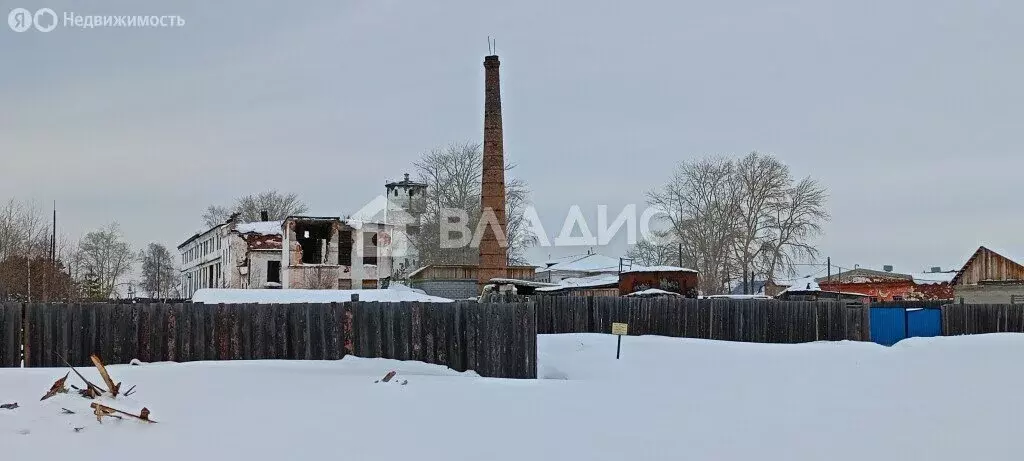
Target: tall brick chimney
point(493, 247)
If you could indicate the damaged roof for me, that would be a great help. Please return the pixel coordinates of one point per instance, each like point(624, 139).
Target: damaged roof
point(262, 242)
point(862, 275)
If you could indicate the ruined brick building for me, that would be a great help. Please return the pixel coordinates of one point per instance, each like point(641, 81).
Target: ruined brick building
point(299, 252)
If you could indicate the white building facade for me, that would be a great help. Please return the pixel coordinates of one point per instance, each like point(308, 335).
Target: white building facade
point(201, 261)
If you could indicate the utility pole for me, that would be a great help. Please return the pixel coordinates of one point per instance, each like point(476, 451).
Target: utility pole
point(28, 258)
point(828, 261)
point(159, 269)
point(53, 237)
point(839, 284)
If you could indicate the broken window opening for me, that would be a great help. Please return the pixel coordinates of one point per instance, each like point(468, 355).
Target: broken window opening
point(274, 271)
point(345, 248)
point(314, 237)
point(370, 248)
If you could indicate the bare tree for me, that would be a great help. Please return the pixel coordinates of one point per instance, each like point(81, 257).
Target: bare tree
point(32, 264)
point(517, 200)
point(277, 205)
point(453, 177)
point(105, 255)
point(158, 271)
point(793, 225)
point(763, 181)
point(733, 218)
point(663, 251)
point(702, 203)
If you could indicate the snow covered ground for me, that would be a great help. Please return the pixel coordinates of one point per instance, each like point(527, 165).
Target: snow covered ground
point(671, 399)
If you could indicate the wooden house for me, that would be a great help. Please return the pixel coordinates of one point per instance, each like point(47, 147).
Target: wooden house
point(989, 277)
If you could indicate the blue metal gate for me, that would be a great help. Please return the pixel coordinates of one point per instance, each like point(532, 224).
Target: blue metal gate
point(924, 323)
point(888, 325)
point(891, 324)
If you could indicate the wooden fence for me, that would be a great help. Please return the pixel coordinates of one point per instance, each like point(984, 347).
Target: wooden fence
point(765, 321)
point(495, 340)
point(10, 335)
point(973, 319)
point(180, 332)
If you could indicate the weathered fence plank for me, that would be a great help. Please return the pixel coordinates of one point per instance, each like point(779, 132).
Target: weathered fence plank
point(10, 335)
point(719, 319)
point(972, 319)
point(494, 339)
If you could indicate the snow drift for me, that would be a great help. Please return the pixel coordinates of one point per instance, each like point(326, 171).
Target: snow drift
point(666, 399)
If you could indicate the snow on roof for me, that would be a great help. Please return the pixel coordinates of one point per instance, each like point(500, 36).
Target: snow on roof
point(373, 211)
point(933, 278)
point(804, 284)
point(653, 292)
point(658, 269)
point(260, 227)
point(864, 275)
point(520, 282)
point(584, 282)
point(808, 285)
point(417, 271)
point(562, 259)
point(586, 263)
point(293, 296)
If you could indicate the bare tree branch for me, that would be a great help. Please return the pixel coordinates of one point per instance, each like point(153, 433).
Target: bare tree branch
point(277, 205)
point(453, 177)
point(105, 257)
point(737, 217)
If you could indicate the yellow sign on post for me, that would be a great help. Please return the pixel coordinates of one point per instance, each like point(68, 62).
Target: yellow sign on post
point(619, 330)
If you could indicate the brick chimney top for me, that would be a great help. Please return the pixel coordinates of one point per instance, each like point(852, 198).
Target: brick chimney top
point(491, 60)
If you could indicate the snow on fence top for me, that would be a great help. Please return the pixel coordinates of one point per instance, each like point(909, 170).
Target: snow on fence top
point(260, 227)
point(295, 296)
point(737, 297)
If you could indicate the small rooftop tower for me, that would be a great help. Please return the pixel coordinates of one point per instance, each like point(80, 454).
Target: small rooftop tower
point(406, 204)
point(405, 195)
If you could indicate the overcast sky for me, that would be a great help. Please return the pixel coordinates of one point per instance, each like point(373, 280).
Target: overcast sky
point(910, 112)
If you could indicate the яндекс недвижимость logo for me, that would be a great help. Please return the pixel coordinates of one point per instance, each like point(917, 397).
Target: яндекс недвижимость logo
point(20, 19)
point(45, 20)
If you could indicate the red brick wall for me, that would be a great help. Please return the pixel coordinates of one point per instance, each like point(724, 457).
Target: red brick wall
point(684, 283)
point(885, 291)
point(936, 291)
